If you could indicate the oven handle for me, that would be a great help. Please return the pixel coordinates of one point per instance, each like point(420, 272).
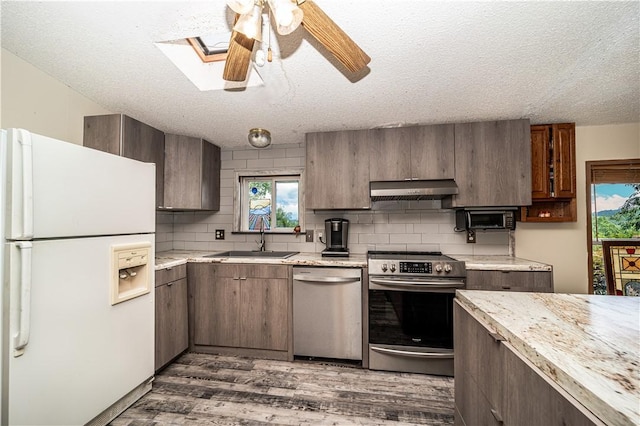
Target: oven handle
point(417, 285)
point(426, 355)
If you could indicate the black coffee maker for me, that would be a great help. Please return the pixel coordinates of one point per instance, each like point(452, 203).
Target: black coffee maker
point(337, 236)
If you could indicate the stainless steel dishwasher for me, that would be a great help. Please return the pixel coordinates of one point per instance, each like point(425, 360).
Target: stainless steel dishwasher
point(327, 312)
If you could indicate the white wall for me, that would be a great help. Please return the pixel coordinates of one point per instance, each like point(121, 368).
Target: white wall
point(564, 245)
point(37, 102)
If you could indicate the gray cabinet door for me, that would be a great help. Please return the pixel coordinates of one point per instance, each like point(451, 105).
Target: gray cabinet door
point(533, 281)
point(122, 135)
point(390, 154)
point(172, 327)
point(192, 174)
point(492, 164)
point(432, 151)
point(337, 170)
point(415, 152)
point(265, 306)
point(215, 299)
point(171, 319)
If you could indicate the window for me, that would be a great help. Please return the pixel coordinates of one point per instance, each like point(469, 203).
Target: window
point(270, 200)
point(613, 213)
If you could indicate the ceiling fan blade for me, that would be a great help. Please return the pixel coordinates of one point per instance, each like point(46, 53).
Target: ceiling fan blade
point(332, 37)
point(238, 57)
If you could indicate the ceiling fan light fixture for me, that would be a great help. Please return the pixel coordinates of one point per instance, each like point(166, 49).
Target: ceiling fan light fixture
point(240, 6)
point(259, 138)
point(250, 24)
point(287, 15)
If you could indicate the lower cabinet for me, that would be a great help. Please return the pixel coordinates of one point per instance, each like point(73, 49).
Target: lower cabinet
point(172, 333)
point(241, 308)
point(496, 385)
point(533, 281)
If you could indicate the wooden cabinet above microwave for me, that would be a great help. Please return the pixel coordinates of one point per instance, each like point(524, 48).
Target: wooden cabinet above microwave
point(553, 174)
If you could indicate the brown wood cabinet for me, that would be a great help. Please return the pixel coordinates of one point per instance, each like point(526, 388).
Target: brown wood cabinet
point(533, 281)
point(496, 385)
point(241, 306)
point(172, 333)
point(415, 152)
point(553, 172)
point(122, 135)
point(337, 170)
point(492, 164)
point(192, 174)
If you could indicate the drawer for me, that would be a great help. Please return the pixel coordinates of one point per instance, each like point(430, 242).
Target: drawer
point(167, 275)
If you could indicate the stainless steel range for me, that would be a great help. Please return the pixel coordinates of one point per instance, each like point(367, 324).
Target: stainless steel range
point(411, 311)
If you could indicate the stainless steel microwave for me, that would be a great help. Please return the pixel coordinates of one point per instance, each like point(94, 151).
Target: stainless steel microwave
point(484, 219)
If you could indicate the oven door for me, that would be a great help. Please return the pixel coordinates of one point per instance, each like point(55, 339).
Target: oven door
point(411, 324)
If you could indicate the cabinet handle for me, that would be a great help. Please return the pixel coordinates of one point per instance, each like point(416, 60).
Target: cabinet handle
point(170, 284)
point(506, 287)
point(497, 416)
point(496, 337)
point(243, 278)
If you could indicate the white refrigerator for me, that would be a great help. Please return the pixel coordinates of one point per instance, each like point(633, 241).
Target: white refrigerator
point(77, 268)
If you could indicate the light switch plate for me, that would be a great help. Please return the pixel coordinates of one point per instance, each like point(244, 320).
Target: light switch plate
point(309, 236)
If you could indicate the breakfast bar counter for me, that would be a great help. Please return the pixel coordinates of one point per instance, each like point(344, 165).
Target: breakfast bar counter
point(588, 345)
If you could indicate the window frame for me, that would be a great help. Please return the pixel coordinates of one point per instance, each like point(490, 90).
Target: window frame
point(240, 207)
point(592, 168)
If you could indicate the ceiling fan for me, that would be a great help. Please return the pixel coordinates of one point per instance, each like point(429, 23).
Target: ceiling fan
point(288, 15)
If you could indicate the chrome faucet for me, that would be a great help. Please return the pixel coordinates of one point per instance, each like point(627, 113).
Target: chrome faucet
point(263, 241)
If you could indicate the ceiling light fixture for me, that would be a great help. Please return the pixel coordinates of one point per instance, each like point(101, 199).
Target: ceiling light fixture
point(259, 138)
point(288, 16)
point(250, 24)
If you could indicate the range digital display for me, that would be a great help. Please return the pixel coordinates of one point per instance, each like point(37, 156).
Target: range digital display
point(416, 267)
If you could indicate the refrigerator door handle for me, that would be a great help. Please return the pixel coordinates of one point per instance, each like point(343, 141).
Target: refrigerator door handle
point(23, 314)
point(26, 148)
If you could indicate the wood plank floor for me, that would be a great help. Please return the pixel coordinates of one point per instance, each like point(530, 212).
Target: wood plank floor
point(202, 389)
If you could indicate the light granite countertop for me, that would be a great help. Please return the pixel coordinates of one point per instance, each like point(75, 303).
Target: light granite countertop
point(169, 259)
point(500, 263)
point(589, 345)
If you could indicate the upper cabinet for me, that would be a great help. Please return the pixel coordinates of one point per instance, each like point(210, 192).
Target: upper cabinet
point(417, 152)
point(337, 170)
point(192, 174)
point(492, 164)
point(553, 171)
point(122, 135)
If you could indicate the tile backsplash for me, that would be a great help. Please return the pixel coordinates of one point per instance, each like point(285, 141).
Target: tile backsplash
point(389, 225)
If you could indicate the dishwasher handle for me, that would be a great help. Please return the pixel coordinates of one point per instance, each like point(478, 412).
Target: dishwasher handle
point(325, 280)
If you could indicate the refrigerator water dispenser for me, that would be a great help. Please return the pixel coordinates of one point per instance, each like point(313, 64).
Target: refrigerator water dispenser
point(131, 271)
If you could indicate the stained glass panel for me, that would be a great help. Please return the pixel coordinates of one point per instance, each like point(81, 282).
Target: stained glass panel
point(260, 205)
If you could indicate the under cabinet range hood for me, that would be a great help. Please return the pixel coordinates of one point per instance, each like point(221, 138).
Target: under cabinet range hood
point(435, 189)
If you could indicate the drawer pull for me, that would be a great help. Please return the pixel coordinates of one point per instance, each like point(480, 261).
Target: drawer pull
point(506, 287)
point(497, 416)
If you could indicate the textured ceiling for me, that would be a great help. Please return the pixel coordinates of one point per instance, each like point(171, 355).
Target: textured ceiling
point(432, 62)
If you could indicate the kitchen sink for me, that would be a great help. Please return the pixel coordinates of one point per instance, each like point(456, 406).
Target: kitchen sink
point(250, 253)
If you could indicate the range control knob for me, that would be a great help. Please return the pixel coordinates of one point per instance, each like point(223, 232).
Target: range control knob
point(393, 267)
point(384, 267)
point(438, 267)
point(447, 268)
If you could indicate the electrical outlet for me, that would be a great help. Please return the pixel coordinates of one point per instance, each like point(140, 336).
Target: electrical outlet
point(309, 236)
point(471, 236)
point(320, 236)
point(219, 234)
